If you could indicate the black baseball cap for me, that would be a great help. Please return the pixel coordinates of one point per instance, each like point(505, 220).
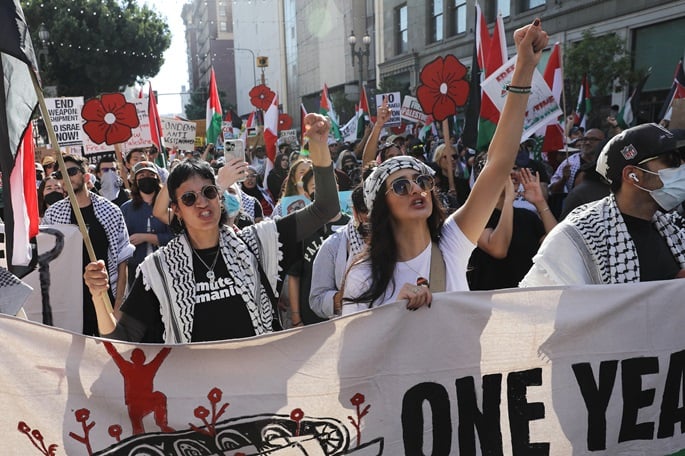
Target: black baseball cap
point(633, 146)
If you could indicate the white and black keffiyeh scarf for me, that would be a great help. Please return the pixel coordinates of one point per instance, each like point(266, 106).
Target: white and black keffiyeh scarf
point(109, 215)
point(355, 241)
point(373, 183)
point(169, 273)
point(604, 233)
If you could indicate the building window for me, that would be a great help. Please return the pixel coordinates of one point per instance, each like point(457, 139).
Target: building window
point(504, 7)
point(436, 18)
point(222, 26)
point(530, 4)
point(402, 30)
point(458, 17)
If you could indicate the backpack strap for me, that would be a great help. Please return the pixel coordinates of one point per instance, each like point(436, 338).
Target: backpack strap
point(436, 283)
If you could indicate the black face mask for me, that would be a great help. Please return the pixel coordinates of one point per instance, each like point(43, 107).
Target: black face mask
point(52, 197)
point(148, 185)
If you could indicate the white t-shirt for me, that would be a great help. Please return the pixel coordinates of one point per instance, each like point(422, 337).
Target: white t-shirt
point(456, 250)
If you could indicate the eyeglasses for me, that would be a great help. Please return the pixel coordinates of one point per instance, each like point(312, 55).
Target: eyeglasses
point(210, 192)
point(402, 186)
point(107, 170)
point(590, 138)
point(70, 171)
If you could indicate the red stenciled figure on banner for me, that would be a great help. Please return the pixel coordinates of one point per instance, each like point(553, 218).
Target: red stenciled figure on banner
point(139, 395)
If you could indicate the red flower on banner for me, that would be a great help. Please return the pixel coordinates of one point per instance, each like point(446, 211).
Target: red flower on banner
point(443, 87)
point(284, 122)
point(261, 96)
point(109, 119)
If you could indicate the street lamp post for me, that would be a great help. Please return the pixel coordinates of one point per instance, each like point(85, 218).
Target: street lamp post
point(360, 53)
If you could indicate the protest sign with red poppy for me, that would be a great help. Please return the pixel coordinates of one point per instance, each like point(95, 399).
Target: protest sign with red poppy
point(443, 87)
point(109, 119)
point(285, 122)
point(261, 96)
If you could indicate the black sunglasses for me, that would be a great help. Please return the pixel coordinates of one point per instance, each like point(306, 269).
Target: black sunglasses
point(210, 192)
point(70, 171)
point(402, 186)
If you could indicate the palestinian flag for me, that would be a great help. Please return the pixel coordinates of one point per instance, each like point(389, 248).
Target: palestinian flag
point(584, 105)
point(495, 57)
point(677, 91)
point(362, 113)
point(214, 113)
point(627, 117)
point(17, 104)
point(327, 109)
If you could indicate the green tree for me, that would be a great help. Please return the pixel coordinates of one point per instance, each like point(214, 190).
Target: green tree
point(605, 58)
point(97, 46)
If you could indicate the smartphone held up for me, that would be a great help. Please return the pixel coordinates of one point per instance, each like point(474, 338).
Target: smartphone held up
point(235, 148)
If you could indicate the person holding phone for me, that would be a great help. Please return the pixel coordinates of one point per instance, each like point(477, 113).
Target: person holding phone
point(210, 282)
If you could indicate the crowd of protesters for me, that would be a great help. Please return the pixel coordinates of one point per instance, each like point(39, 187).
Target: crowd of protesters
point(249, 248)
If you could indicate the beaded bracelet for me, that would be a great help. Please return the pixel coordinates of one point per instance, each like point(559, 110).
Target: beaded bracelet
point(517, 89)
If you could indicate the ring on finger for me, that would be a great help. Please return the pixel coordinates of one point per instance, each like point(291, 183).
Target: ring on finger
point(415, 289)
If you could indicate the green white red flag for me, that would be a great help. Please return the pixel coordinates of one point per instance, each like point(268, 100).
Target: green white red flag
point(214, 112)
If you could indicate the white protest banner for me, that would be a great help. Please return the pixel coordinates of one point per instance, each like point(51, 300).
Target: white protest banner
point(394, 105)
point(65, 114)
point(542, 107)
point(140, 135)
point(57, 282)
point(178, 133)
point(411, 110)
point(555, 371)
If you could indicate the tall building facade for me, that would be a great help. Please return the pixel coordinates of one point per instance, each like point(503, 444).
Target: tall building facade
point(209, 37)
point(414, 32)
point(306, 42)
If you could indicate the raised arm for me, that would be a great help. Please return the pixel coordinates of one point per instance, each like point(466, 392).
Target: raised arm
point(474, 214)
point(371, 146)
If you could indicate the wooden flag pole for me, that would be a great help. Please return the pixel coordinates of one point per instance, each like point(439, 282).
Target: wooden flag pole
point(67, 182)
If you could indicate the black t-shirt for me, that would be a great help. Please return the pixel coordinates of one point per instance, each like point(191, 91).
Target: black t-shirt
point(304, 268)
point(655, 257)
point(220, 311)
point(98, 238)
point(488, 273)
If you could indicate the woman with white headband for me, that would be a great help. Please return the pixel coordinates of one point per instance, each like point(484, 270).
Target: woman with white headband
point(413, 249)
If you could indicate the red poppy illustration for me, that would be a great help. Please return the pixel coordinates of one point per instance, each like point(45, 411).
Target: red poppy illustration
point(109, 119)
point(261, 96)
point(443, 87)
point(284, 122)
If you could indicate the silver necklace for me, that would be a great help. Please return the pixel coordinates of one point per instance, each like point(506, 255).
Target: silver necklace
point(210, 270)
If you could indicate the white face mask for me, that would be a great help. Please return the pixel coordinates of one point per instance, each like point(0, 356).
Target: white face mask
point(672, 193)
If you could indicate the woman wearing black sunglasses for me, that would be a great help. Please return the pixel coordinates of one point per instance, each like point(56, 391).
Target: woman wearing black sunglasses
point(211, 283)
point(413, 250)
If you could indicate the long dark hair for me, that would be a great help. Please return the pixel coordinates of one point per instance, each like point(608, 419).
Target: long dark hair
point(382, 249)
point(181, 173)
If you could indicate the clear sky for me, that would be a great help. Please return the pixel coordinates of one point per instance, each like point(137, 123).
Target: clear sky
point(174, 72)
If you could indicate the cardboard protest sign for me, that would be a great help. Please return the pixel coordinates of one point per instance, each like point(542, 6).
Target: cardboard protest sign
point(443, 87)
point(542, 107)
point(179, 134)
point(65, 114)
point(394, 105)
point(411, 110)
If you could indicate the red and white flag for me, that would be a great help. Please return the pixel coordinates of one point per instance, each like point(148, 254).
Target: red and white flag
point(303, 114)
point(270, 135)
point(156, 133)
point(553, 76)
